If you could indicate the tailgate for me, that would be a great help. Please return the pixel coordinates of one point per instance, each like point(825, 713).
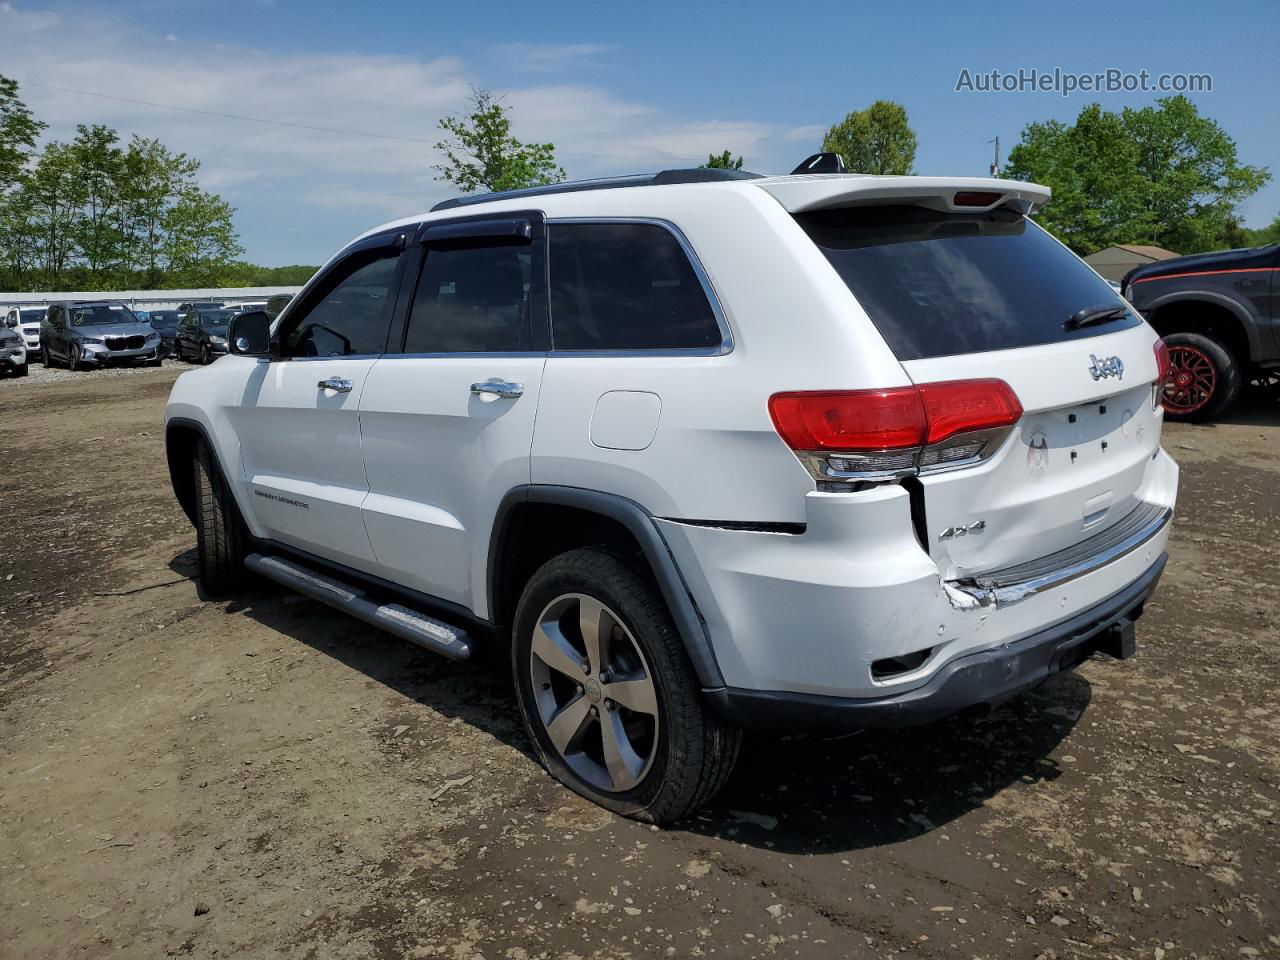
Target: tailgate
point(1073, 465)
point(982, 295)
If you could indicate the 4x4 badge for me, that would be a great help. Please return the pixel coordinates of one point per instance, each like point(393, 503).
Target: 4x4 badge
point(1106, 367)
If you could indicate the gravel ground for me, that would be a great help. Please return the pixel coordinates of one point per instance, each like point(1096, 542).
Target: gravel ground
point(38, 374)
point(266, 778)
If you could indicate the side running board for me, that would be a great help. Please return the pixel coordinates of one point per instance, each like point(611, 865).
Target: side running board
point(407, 624)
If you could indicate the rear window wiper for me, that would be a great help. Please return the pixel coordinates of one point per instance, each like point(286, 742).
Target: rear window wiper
point(1101, 313)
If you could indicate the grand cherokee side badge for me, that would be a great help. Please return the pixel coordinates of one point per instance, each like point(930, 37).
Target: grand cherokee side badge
point(1106, 367)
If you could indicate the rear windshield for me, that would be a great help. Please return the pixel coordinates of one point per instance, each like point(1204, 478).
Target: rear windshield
point(937, 284)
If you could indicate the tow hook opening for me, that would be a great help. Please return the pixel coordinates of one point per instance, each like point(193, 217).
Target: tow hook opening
point(890, 667)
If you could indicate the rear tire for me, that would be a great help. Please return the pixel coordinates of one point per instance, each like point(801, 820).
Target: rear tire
point(678, 756)
point(220, 533)
point(1205, 380)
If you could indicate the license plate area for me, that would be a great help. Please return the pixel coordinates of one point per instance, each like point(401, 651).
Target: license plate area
point(1080, 440)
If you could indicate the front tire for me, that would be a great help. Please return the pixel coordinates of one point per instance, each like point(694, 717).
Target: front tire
point(608, 695)
point(220, 533)
point(1205, 377)
point(205, 359)
point(20, 371)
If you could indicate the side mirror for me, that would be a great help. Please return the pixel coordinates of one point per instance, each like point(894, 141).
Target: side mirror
point(11, 322)
point(250, 334)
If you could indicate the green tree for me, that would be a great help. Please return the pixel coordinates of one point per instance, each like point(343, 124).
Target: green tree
point(481, 153)
point(1163, 175)
point(875, 140)
point(98, 161)
point(19, 131)
point(153, 178)
point(722, 161)
point(53, 194)
point(200, 242)
point(1268, 234)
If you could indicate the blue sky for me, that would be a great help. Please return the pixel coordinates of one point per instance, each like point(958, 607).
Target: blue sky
point(618, 88)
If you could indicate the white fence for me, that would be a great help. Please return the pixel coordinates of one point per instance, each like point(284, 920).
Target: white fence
point(146, 299)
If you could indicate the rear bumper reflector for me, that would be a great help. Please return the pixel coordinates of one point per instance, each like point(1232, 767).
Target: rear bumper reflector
point(1012, 584)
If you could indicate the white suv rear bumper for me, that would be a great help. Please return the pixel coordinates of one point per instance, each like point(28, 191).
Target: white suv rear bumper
point(811, 613)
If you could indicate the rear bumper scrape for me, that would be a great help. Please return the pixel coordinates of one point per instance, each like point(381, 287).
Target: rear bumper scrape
point(985, 678)
point(1001, 588)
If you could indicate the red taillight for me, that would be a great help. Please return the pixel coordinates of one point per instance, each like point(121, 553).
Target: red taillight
point(975, 198)
point(855, 433)
point(849, 419)
point(962, 406)
point(1163, 365)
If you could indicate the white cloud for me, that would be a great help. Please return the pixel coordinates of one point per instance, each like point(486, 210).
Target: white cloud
point(549, 57)
point(338, 183)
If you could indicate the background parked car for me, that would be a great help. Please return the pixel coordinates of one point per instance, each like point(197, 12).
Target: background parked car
point(1217, 312)
point(165, 323)
point(13, 352)
point(86, 334)
point(244, 306)
point(276, 304)
point(26, 320)
point(202, 335)
point(201, 305)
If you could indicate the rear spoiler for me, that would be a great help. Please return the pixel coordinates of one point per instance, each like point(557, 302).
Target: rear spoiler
point(975, 194)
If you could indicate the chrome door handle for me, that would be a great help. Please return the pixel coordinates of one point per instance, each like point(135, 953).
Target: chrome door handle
point(499, 388)
point(336, 384)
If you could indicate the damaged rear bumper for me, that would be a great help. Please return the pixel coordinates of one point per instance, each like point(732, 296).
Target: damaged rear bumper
point(1014, 584)
point(983, 679)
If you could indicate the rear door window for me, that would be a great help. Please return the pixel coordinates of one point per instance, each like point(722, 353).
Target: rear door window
point(937, 284)
point(626, 286)
point(472, 299)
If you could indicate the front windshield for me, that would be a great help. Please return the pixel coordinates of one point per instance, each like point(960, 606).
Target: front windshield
point(164, 318)
point(100, 313)
point(215, 321)
point(30, 316)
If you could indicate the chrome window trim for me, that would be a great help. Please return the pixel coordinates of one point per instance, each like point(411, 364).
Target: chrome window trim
point(479, 355)
point(708, 290)
point(331, 356)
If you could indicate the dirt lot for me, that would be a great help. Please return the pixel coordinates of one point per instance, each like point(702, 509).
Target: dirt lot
point(266, 778)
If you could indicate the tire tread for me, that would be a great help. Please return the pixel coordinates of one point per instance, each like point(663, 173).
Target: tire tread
point(220, 536)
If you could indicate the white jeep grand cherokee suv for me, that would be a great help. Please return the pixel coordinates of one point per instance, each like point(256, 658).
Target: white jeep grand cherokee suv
point(706, 452)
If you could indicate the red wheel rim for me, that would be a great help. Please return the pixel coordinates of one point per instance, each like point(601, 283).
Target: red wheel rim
point(1192, 379)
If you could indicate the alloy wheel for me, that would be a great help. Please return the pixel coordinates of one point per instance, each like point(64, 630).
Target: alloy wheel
point(594, 692)
point(1191, 382)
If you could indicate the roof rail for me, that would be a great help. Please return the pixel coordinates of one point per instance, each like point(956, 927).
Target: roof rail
point(699, 175)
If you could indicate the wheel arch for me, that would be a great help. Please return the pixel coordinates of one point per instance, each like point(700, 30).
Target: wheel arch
point(1209, 313)
point(536, 522)
point(181, 434)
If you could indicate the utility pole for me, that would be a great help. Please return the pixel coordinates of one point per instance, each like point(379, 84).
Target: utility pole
point(995, 163)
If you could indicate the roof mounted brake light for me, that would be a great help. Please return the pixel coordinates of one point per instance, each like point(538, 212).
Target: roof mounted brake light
point(976, 198)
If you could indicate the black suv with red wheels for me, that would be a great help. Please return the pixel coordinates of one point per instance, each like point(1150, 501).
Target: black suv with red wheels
point(1219, 313)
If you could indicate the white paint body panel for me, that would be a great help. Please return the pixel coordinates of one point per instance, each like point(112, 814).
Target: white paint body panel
point(300, 447)
point(409, 468)
point(440, 459)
